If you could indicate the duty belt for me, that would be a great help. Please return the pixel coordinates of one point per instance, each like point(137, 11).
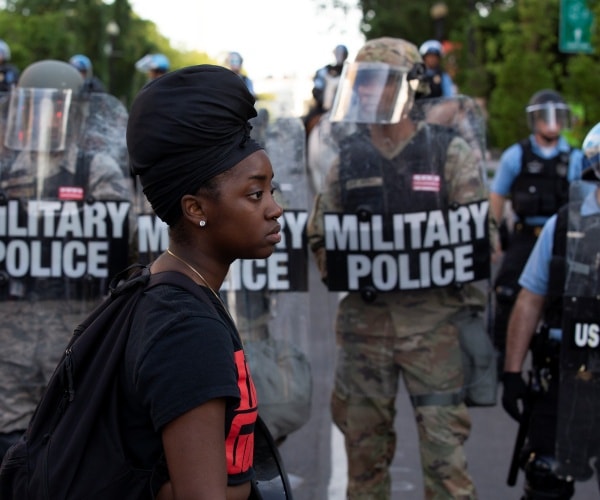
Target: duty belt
point(521, 227)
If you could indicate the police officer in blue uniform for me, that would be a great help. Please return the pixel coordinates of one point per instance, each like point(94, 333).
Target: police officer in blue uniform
point(440, 82)
point(83, 64)
point(153, 65)
point(9, 74)
point(534, 174)
point(544, 283)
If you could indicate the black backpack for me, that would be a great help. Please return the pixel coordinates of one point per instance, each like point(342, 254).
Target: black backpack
point(72, 447)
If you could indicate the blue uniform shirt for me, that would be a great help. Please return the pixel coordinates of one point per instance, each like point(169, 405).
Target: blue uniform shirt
point(536, 272)
point(447, 85)
point(510, 167)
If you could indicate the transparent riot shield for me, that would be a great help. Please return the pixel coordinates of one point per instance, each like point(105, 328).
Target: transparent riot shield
point(413, 214)
point(462, 114)
point(322, 149)
point(401, 226)
point(64, 233)
point(578, 434)
point(268, 298)
point(151, 234)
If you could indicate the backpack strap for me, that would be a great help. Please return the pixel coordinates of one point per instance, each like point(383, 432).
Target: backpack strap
point(180, 280)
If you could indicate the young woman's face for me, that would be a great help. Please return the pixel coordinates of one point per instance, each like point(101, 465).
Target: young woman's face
point(243, 220)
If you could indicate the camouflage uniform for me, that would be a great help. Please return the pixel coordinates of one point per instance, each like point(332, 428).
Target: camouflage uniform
point(38, 315)
point(413, 333)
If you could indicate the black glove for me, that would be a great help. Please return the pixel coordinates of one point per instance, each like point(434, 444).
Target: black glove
point(514, 389)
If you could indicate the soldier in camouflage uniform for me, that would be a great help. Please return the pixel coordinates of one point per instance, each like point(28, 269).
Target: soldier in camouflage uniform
point(414, 333)
point(70, 162)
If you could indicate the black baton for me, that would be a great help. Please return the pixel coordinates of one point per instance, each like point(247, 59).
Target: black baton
point(513, 470)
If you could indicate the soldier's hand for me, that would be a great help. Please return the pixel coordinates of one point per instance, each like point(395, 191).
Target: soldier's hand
point(515, 389)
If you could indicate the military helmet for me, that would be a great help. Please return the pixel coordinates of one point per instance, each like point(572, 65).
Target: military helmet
point(591, 150)
point(51, 74)
point(393, 71)
point(394, 51)
point(549, 106)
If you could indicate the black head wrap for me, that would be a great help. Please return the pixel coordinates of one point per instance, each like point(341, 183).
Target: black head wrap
point(185, 128)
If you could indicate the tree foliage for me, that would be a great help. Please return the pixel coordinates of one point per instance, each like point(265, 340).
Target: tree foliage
point(503, 52)
point(411, 19)
point(58, 29)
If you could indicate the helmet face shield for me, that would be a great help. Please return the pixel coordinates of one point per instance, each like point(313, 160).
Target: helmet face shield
point(37, 119)
point(373, 92)
point(555, 115)
point(591, 150)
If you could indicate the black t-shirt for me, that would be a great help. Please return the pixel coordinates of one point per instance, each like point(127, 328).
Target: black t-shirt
point(182, 353)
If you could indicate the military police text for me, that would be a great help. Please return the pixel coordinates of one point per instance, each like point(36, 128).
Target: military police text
point(422, 250)
point(52, 239)
point(274, 273)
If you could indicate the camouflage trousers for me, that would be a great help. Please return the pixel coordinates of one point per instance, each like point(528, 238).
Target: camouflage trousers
point(371, 357)
point(33, 336)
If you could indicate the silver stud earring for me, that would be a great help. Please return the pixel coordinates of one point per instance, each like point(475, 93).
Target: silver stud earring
point(202, 223)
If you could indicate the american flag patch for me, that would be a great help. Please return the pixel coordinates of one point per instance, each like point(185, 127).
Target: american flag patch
point(70, 193)
point(426, 182)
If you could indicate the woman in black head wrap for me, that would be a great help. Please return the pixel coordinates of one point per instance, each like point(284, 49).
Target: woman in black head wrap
point(185, 376)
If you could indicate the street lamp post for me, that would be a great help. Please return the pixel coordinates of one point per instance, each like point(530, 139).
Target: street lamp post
point(113, 31)
point(438, 12)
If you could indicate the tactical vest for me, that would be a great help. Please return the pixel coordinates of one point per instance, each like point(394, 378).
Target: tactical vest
point(434, 79)
point(24, 184)
point(541, 187)
point(8, 77)
point(371, 183)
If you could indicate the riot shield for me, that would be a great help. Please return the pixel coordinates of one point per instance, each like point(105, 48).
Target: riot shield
point(396, 224)
point(322, 149)
point(64, 232)
point(151, 233)
point(268, 298)
point(462, 114)
point(399, 219)
point(578, 435)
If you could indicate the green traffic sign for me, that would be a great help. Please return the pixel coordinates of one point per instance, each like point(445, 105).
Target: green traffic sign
point(575, 27)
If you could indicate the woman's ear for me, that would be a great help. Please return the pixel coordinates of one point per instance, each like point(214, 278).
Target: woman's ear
point(191, 206)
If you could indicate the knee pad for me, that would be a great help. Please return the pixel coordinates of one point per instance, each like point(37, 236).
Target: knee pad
point(541, 481)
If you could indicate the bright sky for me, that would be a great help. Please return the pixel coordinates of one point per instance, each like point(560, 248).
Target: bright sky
point(275, 37)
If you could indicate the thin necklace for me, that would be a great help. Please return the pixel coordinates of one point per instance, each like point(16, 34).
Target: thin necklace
point(195, 271)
